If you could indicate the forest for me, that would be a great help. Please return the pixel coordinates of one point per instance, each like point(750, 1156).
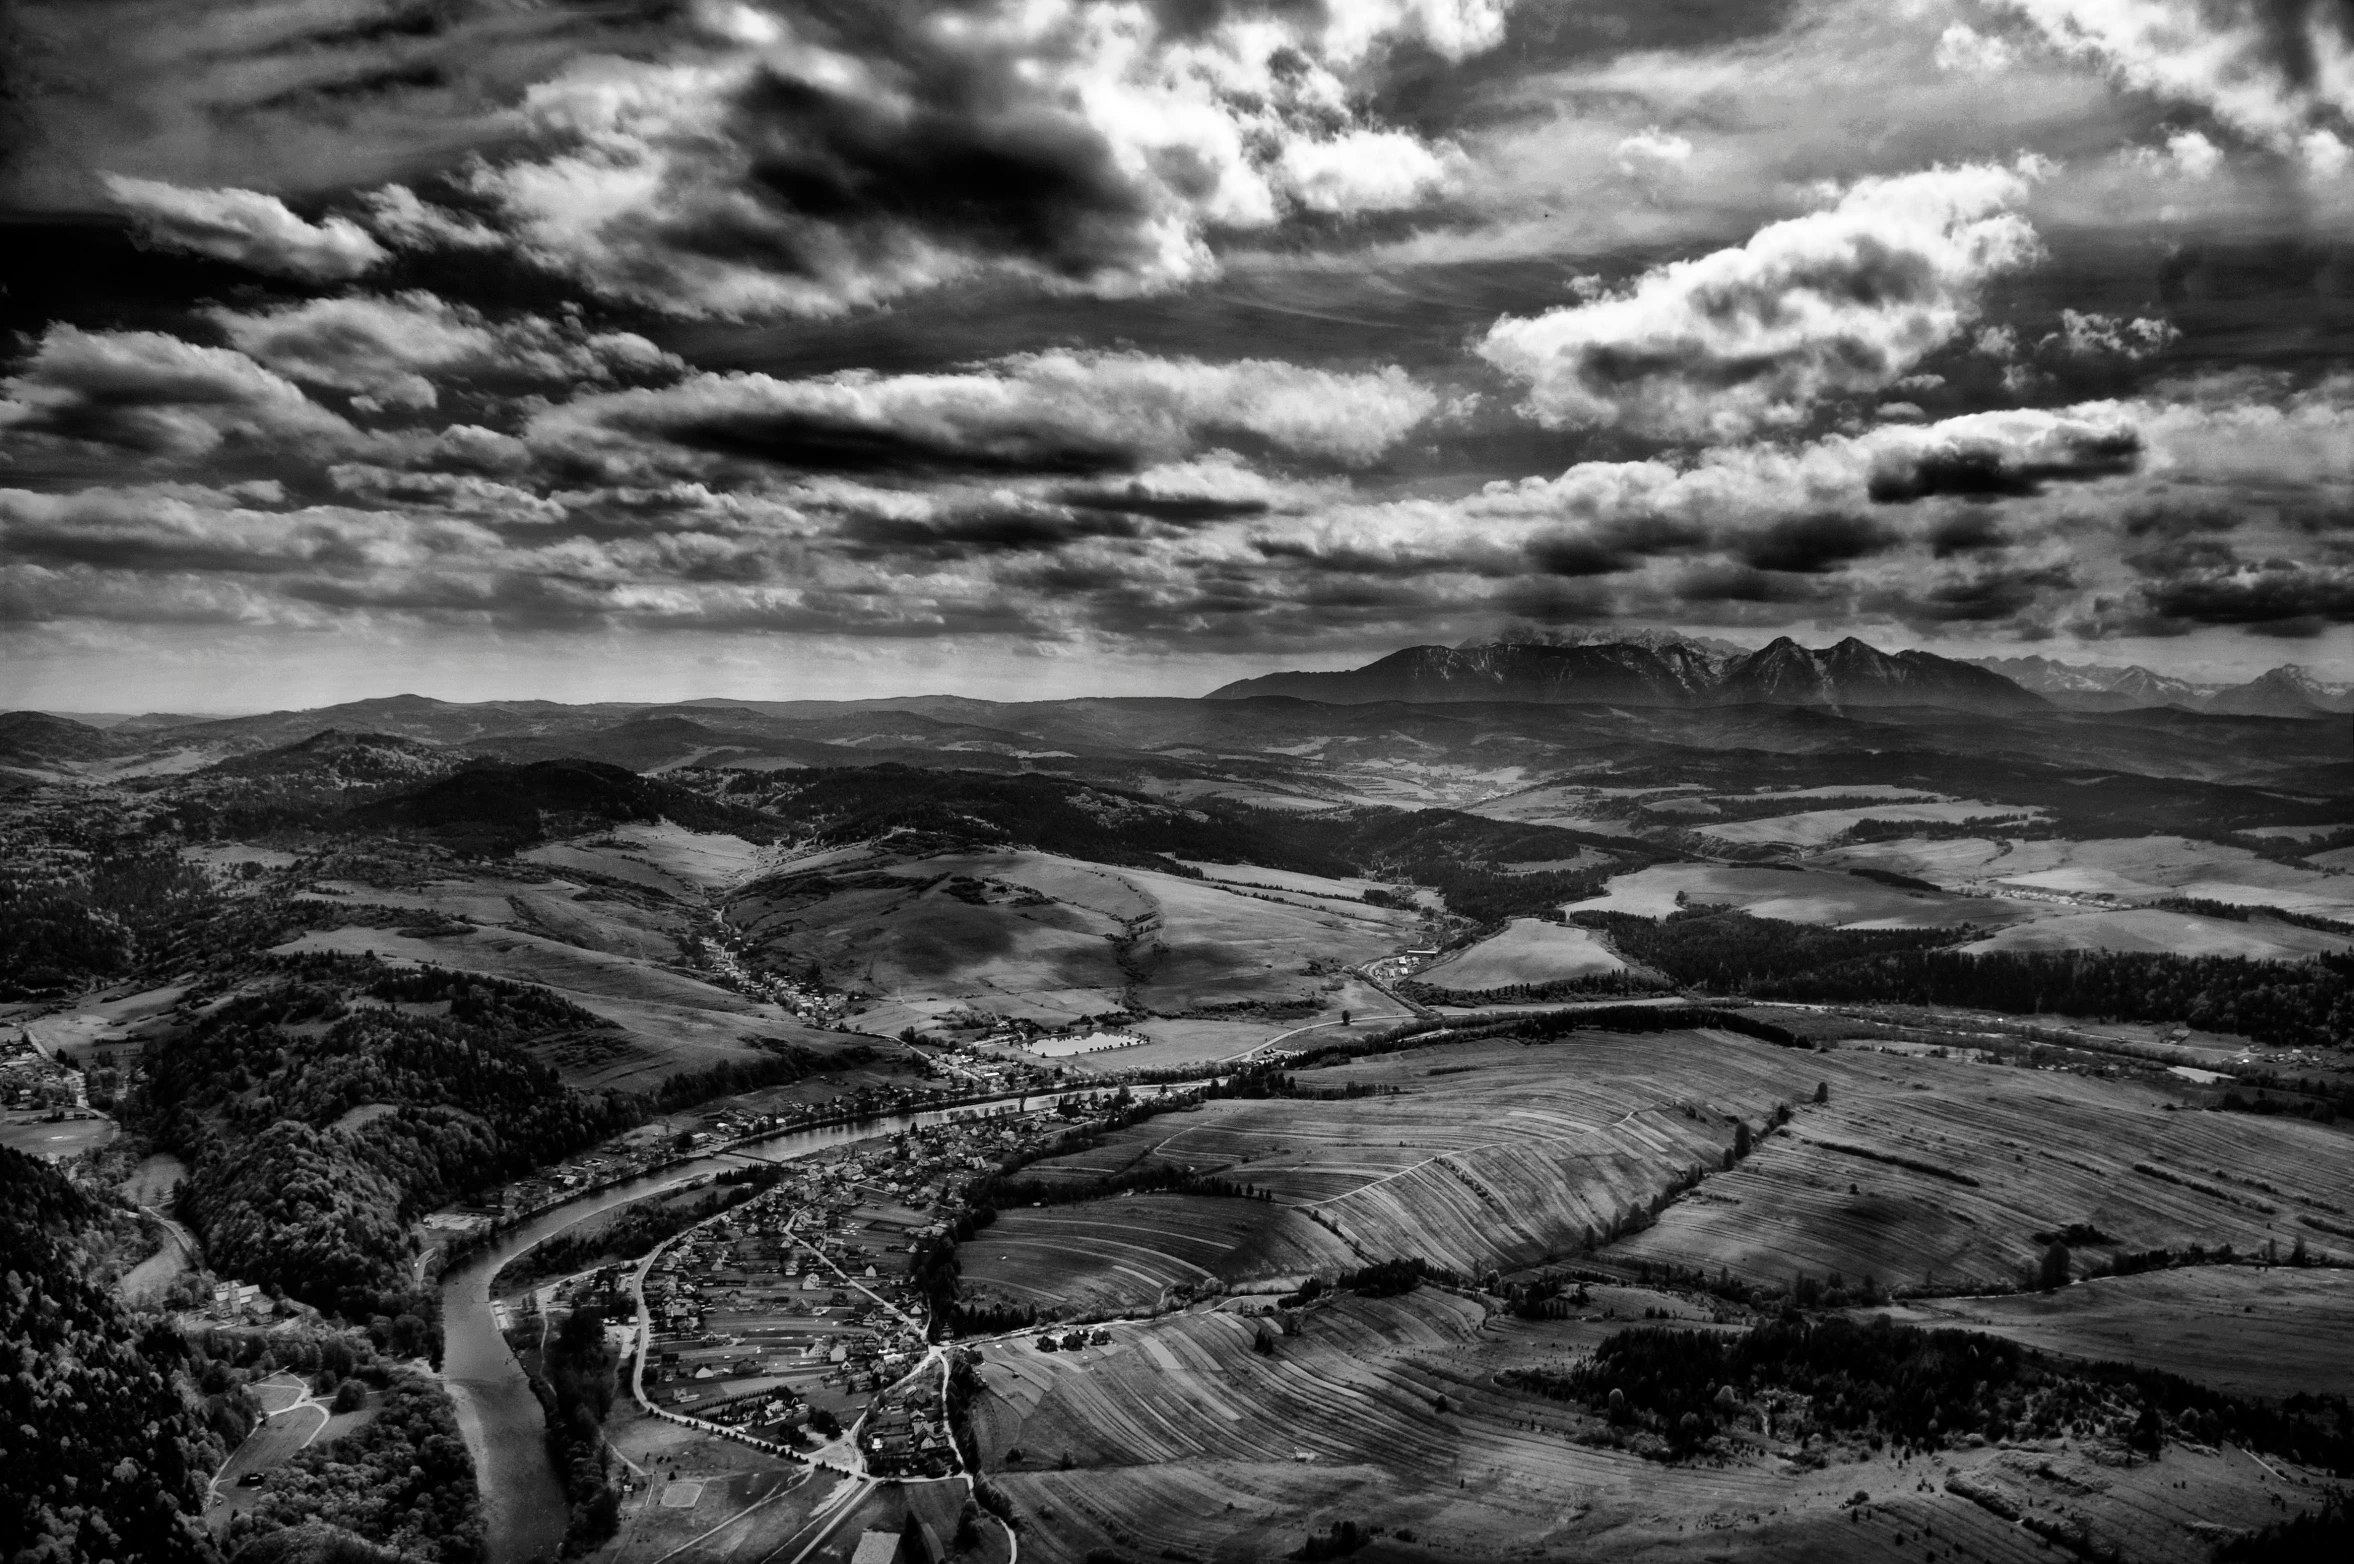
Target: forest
point(103, 1436)
point(283, 1197)
point(1883, 1383)
point(402, 1478)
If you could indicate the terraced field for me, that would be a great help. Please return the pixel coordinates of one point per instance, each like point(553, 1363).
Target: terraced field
point(1937, 1173)
point(1476, 1157)
point(1180, 1441)
point(1113, 1256)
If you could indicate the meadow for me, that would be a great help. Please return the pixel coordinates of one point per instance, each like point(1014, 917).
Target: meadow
point(1530, 950)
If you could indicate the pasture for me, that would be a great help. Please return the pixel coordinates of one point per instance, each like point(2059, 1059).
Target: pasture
point(1530, 950)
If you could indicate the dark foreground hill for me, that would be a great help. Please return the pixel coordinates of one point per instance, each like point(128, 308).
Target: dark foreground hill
point(101, 1438)
point(1850, 674)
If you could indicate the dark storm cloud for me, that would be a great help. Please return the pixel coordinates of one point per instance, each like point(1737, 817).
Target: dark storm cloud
point(1974, 597)
point(1988, 472)
point(1965, 532)
point(958, 533)
point(1810, 545)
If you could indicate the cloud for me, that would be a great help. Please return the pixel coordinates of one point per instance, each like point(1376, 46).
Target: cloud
point(1975, 461)
point(1841, 301)
point(1060, 412)
point(1650, 150)
point(154, 395)
point(2270, 69)
point(1966, 51)
point(2197, 587)
point(391, 350)
point(248, 228)
point(1363, 171)
point(2083, 335)
point(810, 164)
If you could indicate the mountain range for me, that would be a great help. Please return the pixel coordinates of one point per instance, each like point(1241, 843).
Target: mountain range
point(2286, 691)
point(1662, 672)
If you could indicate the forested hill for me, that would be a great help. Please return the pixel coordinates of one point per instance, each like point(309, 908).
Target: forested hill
point(283, 1196)
point(490, 807)
point(101, 1440)
point(943, 809)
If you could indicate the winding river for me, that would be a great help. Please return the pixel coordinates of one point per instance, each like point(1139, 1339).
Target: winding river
point(522, 1498)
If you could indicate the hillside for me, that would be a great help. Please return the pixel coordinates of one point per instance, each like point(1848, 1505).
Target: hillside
point(103, 1443)
point(494, 807)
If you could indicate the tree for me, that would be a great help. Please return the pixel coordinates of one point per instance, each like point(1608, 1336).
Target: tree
point(1741, 1140)
point(1822, 1092)
point(2052, 1273)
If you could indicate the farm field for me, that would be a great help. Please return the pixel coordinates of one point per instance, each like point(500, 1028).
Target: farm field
point(662, 857)
point(1935, 1173)
point(1530, 950)
point(2174, 933)
point(1814, 827)
point(1484, 1156)
point(1796, 896)
point(2127, 868)
point(1026, 934)
point(2258, 1331)
point(1262, 878)
point(1179, 1437)
point(1107, 1257)
point(669, 1021)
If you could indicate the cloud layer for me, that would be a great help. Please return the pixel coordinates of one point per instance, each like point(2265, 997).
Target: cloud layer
point(1842, 301)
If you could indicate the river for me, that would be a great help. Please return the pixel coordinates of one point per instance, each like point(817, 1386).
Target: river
point(522, 1499)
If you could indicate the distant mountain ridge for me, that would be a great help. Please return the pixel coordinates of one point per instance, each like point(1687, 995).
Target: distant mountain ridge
point(1665, 672)
point(2286, 691)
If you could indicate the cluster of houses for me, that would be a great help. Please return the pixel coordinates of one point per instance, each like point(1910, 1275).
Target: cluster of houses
point(1073, 1340)
point(30, 1081)
point(908, 1436)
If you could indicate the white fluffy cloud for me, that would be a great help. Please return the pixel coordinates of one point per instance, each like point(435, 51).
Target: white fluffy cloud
point(389, 350)
point(798, 166)
point(247, 227)
point(154, 395)
point(1061, 411)
point(2271, 71)
point(1839, 301)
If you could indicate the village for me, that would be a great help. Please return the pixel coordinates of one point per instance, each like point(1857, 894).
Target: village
point(795, 1315)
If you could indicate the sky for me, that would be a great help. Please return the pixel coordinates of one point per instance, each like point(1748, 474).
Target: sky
point(650, 349)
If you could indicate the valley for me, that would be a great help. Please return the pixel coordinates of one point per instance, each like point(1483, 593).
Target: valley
point(1263, 1126)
